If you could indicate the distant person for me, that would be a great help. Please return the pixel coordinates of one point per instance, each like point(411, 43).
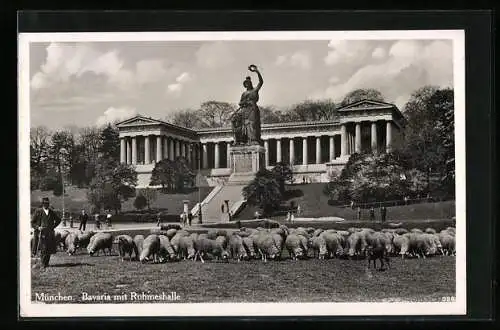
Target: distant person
point(190, 218)
point(292, 217)
point(97, 221)
point(383, 212)
point(288, 217)
point(298, 210)
point(108, 219)
point(222, 208)
point(352, 205)
point(372, 214)
point(406, 200)
point(83, 218)
point(303, 179)
point(359, 213)
point(158, 219)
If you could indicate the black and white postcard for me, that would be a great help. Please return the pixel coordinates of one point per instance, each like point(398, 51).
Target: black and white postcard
point(242, 173)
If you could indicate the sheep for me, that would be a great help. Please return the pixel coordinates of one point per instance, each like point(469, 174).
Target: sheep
point(222, 240)
point(60, 238)
point(166, 250)
point(318, 245)
point(301, 231)
point(266, 246)
point(84, 238)
point(138, 241)
point(430, 230)
point(377, 239)
point(212, 234)
point(125, 246)
point(447, 242)
point(186, 247)
point(175, 240)
point(356, 244)
point(390, 244)
point(294, 245)
point(205, 245)
point(416, 230)
point(310, 230)
point(279, 241)
point(248, 244)
point(401, 244)
point(236, 248)
point(333, 243)
point(400, 231)
point(100, 241)
point(420, 245)
point(150, 247)
point(317, 232)
point(71, 243)
point(171, 233)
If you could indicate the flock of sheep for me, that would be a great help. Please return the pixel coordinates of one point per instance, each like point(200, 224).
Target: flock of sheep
point(173, 244)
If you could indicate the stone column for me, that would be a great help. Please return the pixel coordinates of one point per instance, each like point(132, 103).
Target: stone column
point(388, 137)
point(292, 151)
point(304, 151)
point(266, 146)
point(358, 138)
point(332, 148)
point(204, 155)
point(177, 148)
point(278, 150)
point(134, 150)
point(123, 151)
point(343, 140)
point(228, 154)
point(165, 147)
point(129, 151)
point(147, 150)
point(374, 137)
point(318, 149)
point(159, 148)
point(188, 149)
point(171, 149)
point(216, 155)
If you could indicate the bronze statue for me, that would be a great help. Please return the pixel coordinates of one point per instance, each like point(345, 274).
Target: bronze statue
point(246, 119)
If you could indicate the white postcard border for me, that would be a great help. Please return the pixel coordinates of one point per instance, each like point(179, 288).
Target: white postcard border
point(32, 309)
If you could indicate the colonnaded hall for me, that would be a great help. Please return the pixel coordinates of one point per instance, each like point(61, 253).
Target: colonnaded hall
point(315, 149)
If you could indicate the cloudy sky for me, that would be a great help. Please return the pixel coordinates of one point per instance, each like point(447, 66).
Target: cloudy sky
point(88, 83)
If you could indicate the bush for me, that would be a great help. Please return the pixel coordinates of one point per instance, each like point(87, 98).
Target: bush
point(140, 202)
point(58, 189)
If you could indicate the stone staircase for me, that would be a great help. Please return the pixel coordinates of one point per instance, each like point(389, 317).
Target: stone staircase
point(211, 206)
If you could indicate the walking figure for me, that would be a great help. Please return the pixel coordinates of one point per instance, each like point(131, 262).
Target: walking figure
point(359, 213)
point(372, 214)
point(97, 221)
point(158, 219)
point(190, 218)
point(383, 212)
point(83, 218)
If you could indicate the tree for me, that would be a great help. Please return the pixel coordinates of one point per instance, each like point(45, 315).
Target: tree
point(113, 183)
point(110, 143)
point(312, 110)
point(150, 195)
point(39, 153)
point(362, 94)
point(270, 115)
point(216, 114)
point(263, 191)
point(282, 172)
point(429, 135)
point(172, 175)
point(188, 118)
point(140, 202)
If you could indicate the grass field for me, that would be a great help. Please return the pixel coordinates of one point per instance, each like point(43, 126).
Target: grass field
point(249, 281)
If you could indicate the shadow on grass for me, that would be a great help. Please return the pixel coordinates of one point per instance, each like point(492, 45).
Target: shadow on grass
point(293, 193)
point(71, 264)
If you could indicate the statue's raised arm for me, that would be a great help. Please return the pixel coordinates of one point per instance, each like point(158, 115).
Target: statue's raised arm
point(253, 68)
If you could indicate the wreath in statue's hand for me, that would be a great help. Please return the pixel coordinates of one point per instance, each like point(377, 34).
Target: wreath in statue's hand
point(252, 67)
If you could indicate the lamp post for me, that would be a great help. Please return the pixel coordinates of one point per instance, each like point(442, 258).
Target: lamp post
point(62, 151)
point(200, 217)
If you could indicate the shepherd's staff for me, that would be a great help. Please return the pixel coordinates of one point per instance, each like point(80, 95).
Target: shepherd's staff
point(38, 244)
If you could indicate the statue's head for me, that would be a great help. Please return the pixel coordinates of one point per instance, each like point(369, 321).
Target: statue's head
point(248, 83)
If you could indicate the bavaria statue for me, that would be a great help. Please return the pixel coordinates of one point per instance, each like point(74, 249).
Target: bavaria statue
point(246, 119)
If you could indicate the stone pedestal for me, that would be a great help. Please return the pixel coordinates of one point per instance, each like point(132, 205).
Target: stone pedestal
point(245, 162)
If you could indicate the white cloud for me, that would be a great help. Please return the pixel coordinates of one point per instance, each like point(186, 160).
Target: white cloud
point(347, 51)
point(300, 59)
point(334, 80)
point(214, 55)
point(379, 53)
point(151, 70)
point(408, 66)
point(115, 114)
point(183, 78)
point(174, 87)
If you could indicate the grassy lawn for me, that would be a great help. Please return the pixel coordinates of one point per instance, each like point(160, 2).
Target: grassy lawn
point(250, 281)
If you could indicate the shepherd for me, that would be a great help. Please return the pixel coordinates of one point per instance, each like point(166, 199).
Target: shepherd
point(43, 222)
